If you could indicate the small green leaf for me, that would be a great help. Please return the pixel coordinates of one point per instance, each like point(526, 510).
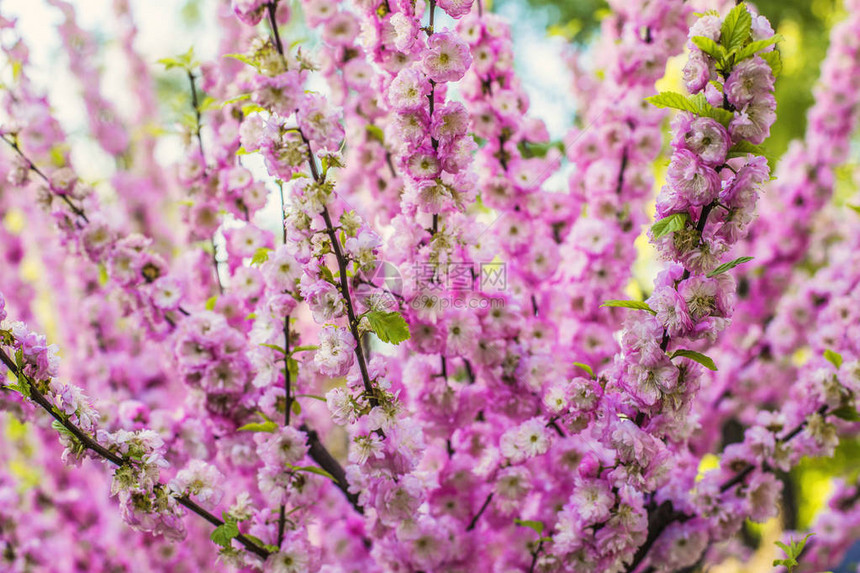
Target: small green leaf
point(798, 546)
point(314, 396)
point(169, 63)
point(325, 272)
point(728, 266)
point(670, 224)
point(672, 100)
point(225, 533)
point(305, 348)
point(704, 109)
point(375, 132)
point(261, 256)
point(710, 47)
point(388, 326)
point(293, 368)
point(636, 304)
point(184, 61)
point(256, 540)
point(753, 47)
point(585, 367)
point(743, 148)
point(312, 470)
point(275, 347)
point(774, 60)
point(833, 357)
point(209, 103)
point(531, 524)
point(790, 563)
point(267, 427)
point(705, 361)
point(736, 28)
point(296, 408)
point(210, 303)
point(237, 99)
point(250, 108)
point(847, 413)
point(103, 274)
point(855, 208)
point(242, 58)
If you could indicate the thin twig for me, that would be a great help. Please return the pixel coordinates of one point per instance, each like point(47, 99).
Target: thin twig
point(92, 445)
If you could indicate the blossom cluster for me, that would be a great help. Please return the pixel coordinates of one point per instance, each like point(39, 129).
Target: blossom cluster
point(324, 392)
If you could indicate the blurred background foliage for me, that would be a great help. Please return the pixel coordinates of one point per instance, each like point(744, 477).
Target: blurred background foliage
point(806, 26)
point(804, 23)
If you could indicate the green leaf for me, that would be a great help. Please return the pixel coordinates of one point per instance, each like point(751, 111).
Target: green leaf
point(103, 274)
point(388, 326)
point(184, 61)
point(728, 266)
point(705, 361)
point(704, 109)
point(753, 47)
point(833, 357)
point(275, 347)
point(210, 303)
point(375, 132)
point(237, 99)
point(312, 470)
point(855, 208)
point(798, 546)
point(296, 408)
point(251, 107)
point(261, 256)
point(305, 348)
point(293, 368)
point(774, 60)
point(847, 413)
point(256, 540)
point(710, 47)
point(62, 429)
point(736, 28)
point(314, 396)
point(743, 148)
point(268, 427)
point(672, 100)
point(225, 533)
point(585, 367)
point(535, 525)
point(670, 224)
point(209, 103)
point(636, 304)
point(242, 58)
point(325, 272)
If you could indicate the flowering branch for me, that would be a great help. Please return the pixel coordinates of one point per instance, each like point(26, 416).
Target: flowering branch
point(91, 444)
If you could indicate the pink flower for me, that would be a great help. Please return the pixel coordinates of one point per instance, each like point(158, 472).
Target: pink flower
point(447, 57)
point(753, 122)
point(335, 353)
point(750, 80)
point(456, 8)
point(708, 139)
point(693, 179)
point(697, 72)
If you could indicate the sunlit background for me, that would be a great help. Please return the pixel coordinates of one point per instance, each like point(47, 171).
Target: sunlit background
point(544, 32)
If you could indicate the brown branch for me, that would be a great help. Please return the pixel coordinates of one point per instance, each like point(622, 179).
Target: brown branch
point(91, 444)
point(326, 461)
